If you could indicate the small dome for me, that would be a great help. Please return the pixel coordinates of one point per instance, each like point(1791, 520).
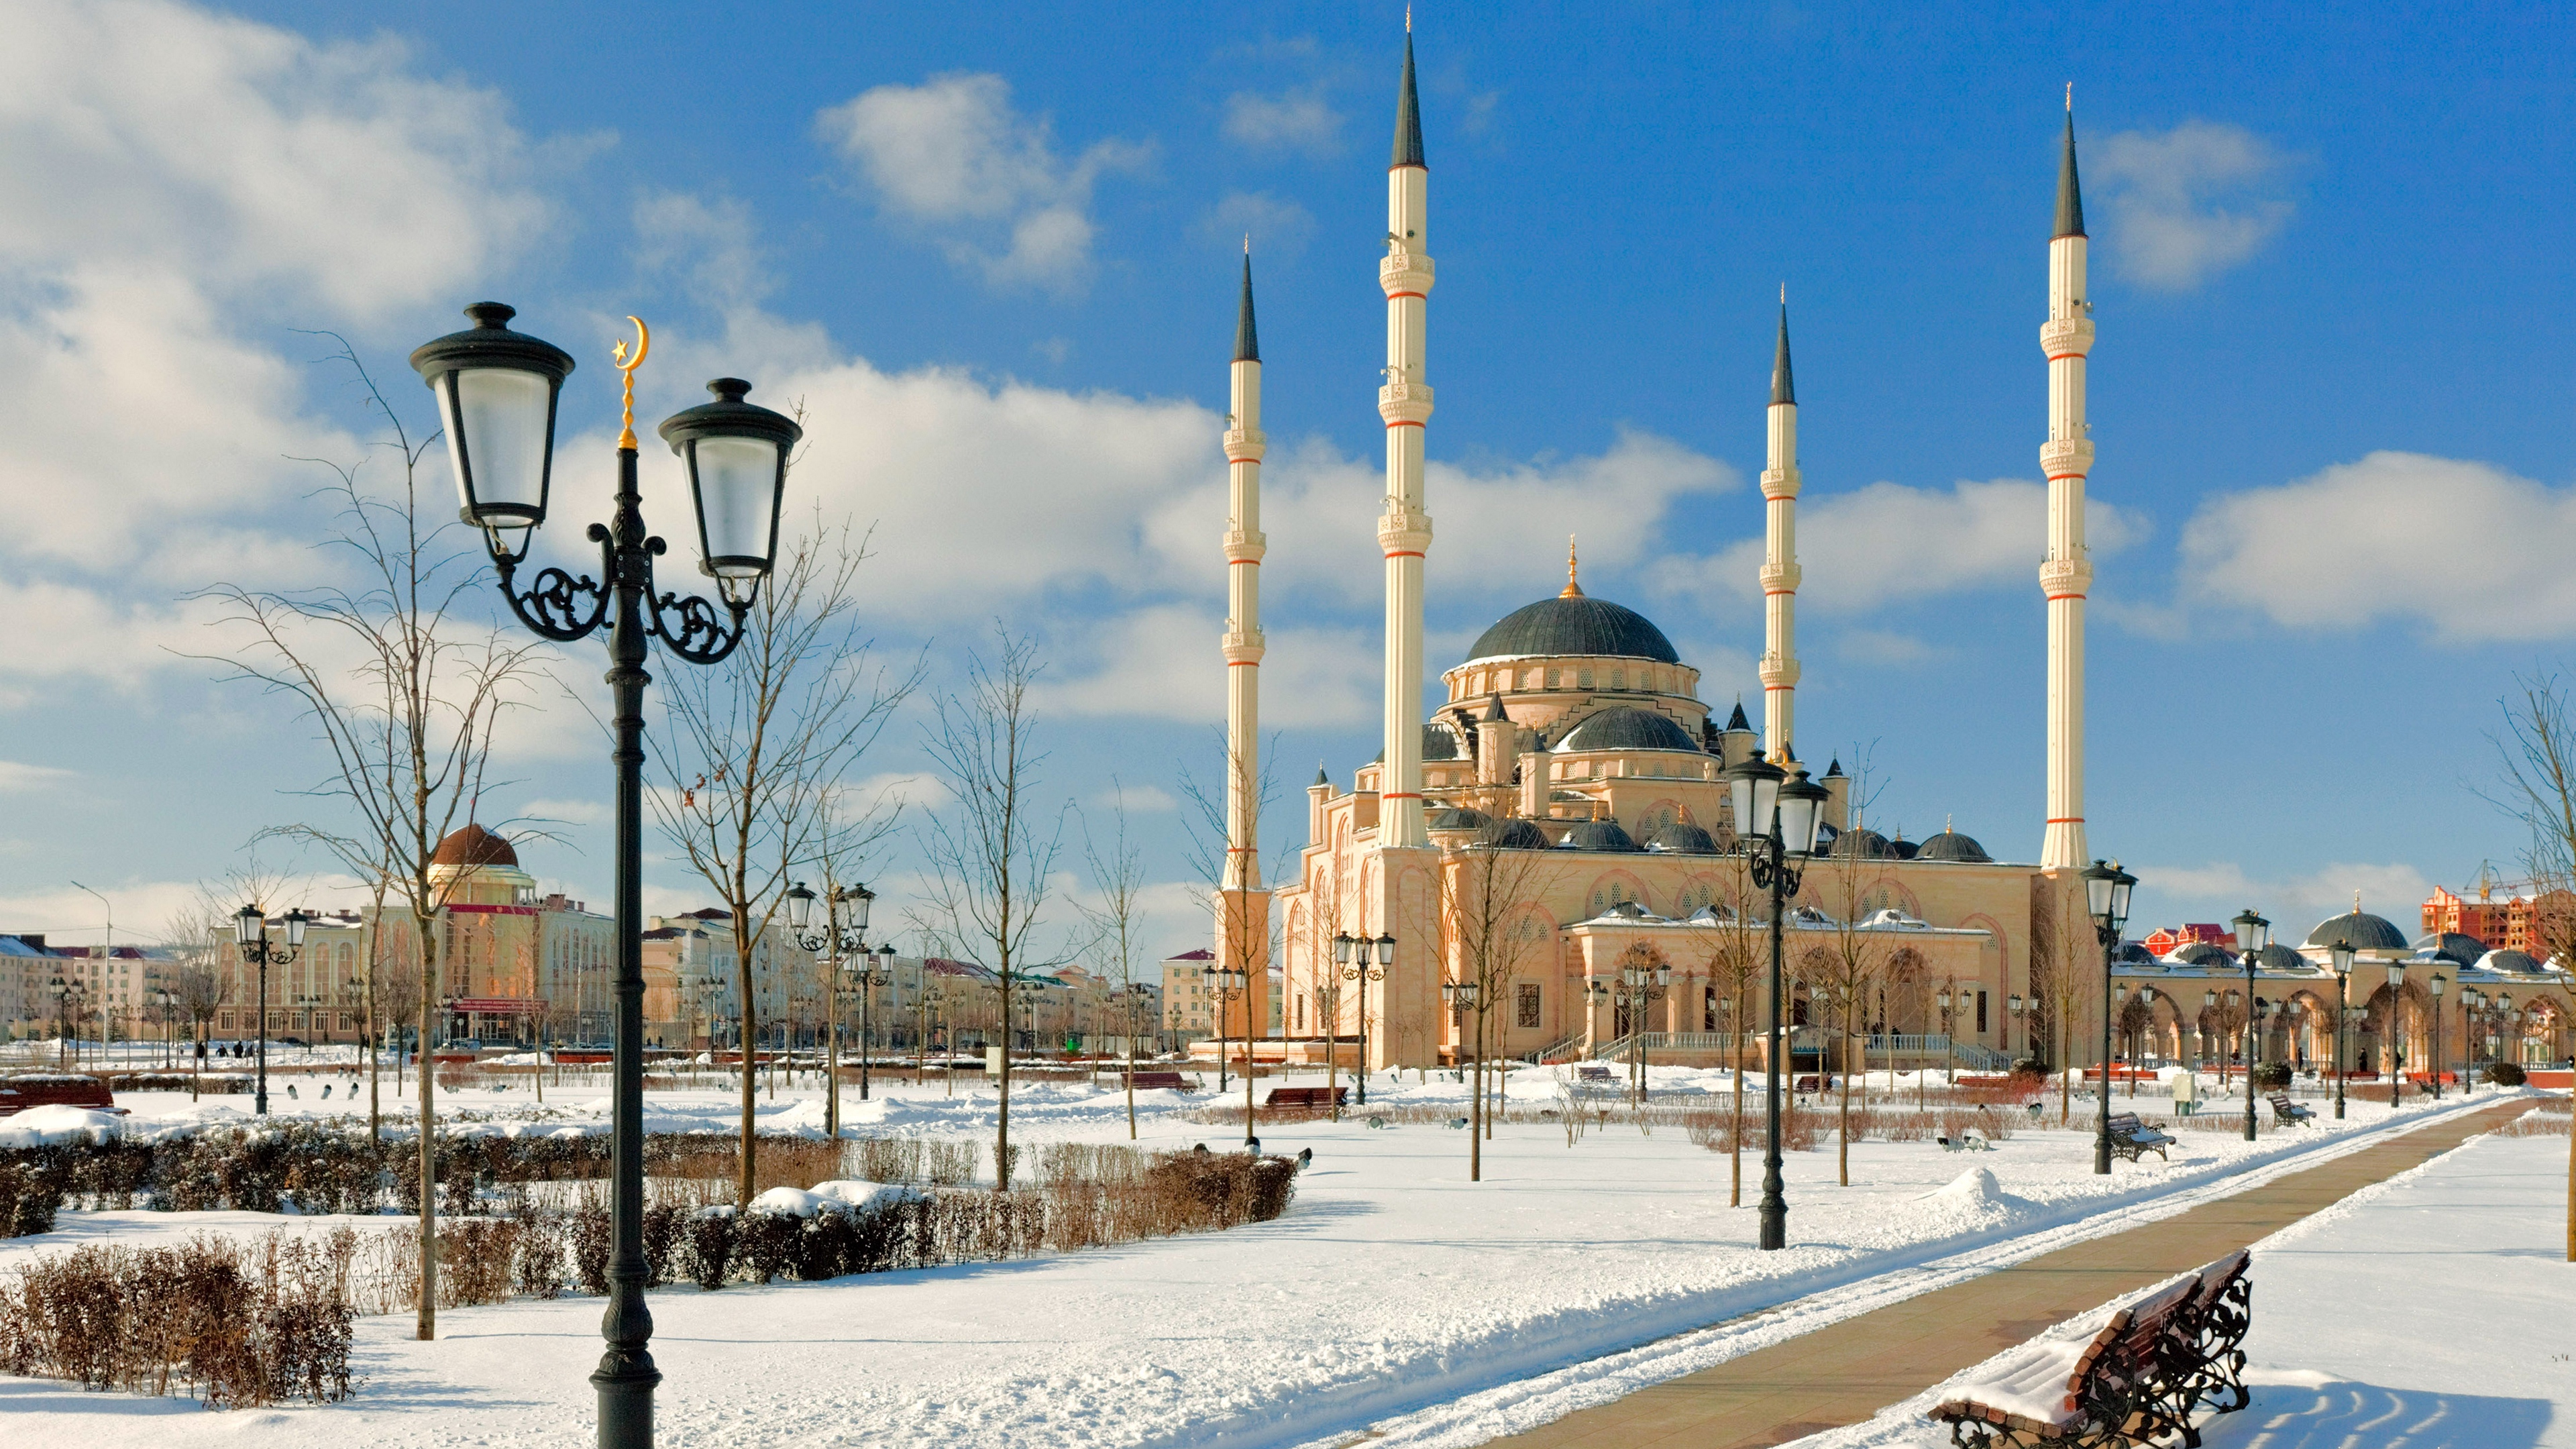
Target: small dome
point(1437, 744)
point(2365, 931)
point(1458, 818)
point(1902, 848)
point(2452, 946)
point(1628, 729)
point(2198, 953)
point(2133, 953)
point(1513, 835)
point(2521, 961)
point(1684, 837)
point(1597, 835)
point(1574, 626)
point(2277, 957)
point(475, 846)
point(1951, 845)
point(1864, 844)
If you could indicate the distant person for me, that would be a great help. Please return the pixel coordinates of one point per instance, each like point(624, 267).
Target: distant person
point(290, 1092)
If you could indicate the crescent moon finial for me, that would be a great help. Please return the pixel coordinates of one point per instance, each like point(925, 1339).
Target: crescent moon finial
point(626, 368)
point(643, 345)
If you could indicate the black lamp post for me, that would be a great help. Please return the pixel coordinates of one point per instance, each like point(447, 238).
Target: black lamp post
point(2339, 954)
point(1363, 959)
point(870, 975)
point(2396, 1033)
point(2106, 900)
point(1641, 985)
point(2439, 981)
point(497, 392)
point(1777, 824)
point(833, 939)
point(250, 933)
point(2253, 934)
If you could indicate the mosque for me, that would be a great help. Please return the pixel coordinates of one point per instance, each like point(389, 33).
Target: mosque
point(1568, 781)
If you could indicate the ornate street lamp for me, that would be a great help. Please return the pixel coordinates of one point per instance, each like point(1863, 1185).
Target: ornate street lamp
point(497, 392)
point(1364, 959)
point(2438, 983)
point(2396, 1033)
point(1778, 824)
point(2106, 900)
point(1639, 986)
point(250, 934)
point(2253, 933)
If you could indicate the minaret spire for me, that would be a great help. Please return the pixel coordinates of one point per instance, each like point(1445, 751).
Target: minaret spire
point(1403, 529)
point(1243, 906)
point(1780, 572)
point(2066, 572)
point(1572, 589)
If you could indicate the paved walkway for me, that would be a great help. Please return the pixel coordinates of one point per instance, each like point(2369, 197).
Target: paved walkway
point(1845, 1373)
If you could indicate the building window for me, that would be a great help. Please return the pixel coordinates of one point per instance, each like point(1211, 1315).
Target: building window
point(1981, 1013)
point(1583, 679)
point(226, 1021)
point(1708, 1009)
point(1618, 679)
point(1527, 1014)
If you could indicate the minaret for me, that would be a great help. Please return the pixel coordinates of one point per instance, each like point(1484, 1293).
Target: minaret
point(1245, 907)
point(1404, 530)
point(1780, 572)
point(2067, 571)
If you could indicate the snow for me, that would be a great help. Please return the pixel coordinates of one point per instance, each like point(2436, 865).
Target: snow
point(1395, 1297)
point(2415, 1314)
point(55, 1125)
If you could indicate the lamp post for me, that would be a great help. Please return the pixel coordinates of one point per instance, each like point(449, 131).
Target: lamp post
point(2396, 1033)
point(1461, 997)
point(250, 934)
point(2439, 981)
point(2106, 899)
point(2253, 934)
point(1778, 824)
point(1635, 986)
point(1233, 983)
point(497, 392)
point(832, 939)
point(870, 976)
point(2138, 1039)
point(1364, 959)
point(2015, 1005)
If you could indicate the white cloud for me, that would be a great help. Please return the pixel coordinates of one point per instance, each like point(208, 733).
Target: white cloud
point(954, 155)
point(2381, 538)
point(1162, 662)
point(569, 812)
point(913, 790)
point(1864, 549)
point(1294, 119)
point(15, 775)
point(1277, 228)
point(2185, 204)
point(1135, 799)
point(2294, 902)
point(1888, 646)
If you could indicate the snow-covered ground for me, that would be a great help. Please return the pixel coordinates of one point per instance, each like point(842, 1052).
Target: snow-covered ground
point(2425, 1312)
point(1395, 1295)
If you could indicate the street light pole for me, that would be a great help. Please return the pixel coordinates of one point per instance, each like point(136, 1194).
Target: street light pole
point(2106, 899)
point(2253, 934)
point(1355, 955)
point(497, 392)
point(250, 935)
point(1778, 824)
point(2438, 983)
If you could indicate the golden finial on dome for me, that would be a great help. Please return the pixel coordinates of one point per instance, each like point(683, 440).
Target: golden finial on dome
point(1572, 589)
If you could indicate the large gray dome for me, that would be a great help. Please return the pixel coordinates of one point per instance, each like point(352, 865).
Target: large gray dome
point(2365, 931)
point(1457, 818)
point(1628, 729)
point(1865, 843)
point(1684, 837)
point(1951, 845)
point(1513, 835)
point(1574, 626)
point(2451, 945)
point(2509, 961)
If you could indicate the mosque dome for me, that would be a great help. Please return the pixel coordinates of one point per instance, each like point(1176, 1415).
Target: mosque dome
point(474, 846)
point(2198, 953)
point(1683, 837)
point(1575, 625)
point(1514, 835)
point(1951, 845)
point(2521, 961)
point(2365, 931)
point(1628, 729)
point(1437, 744)
point(1902, 848)
point(2451, 945)
point(1457, 818)
point(1598, 835)
point(2133, 953)
point(2277, 957)
point(1863, 843)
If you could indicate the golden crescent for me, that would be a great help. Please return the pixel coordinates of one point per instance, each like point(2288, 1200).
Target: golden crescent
point(643, 344)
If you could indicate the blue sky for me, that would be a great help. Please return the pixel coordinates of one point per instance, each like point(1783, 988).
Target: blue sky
point(995, 249)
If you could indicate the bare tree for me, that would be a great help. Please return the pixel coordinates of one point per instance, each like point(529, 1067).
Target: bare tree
point(1736, 944)
point(398, 981)
point(992, 859)
point(2063, 945)
point(755, 749)
point(2537, 752)
point(1118, 882)
point(199, 982)
point(1246, 936)
point(406, 692)
point(1488, 937)
point(1851, 966)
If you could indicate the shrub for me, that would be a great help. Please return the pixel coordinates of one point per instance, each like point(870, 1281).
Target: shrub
point(2272, 1076)
point(765, 1243)
point(711, 1243)
point(2505, 1074)
point(594, 1242)
point(27, 1201)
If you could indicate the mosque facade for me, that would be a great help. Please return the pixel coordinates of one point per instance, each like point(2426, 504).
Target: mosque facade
point(1556, 814)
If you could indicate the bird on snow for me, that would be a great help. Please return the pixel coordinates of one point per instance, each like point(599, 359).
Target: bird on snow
point(1305, 1158)
point(1252, 1145)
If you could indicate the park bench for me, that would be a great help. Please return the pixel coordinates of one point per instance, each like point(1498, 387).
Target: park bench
point(1306, 1099)
point(2288, 1113)
point(2133, 1139)
point(1592, 1072)
point(2138, 1380)
point(53, 1089)
point(1148, 1081)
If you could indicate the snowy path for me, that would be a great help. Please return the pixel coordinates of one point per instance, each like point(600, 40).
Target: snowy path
point(2424, 1312)
point(1393, 1289)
